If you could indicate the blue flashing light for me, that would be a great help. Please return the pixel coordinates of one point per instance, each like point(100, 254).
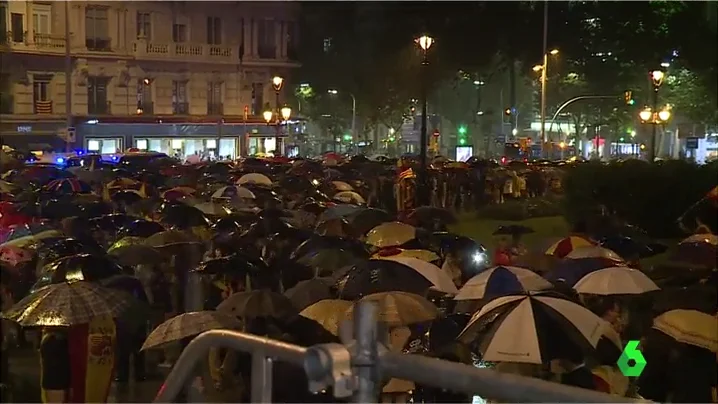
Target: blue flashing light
point(60, 160)
point(114, 158)
point(80, 152)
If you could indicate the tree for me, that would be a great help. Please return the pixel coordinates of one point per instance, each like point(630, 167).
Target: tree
point(689, 95)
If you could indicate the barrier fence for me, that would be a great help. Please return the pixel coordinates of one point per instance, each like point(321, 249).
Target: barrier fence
point(357, 368)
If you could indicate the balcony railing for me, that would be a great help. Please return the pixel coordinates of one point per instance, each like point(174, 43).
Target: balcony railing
point(185, 51)
point(180, 108)
point(6, 104)
point(98, 44)
point(43, 107)
point(215, 109)
point(99, 108)
point(49, 41)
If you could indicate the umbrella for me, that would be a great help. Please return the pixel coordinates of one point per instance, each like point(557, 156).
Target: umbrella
point(37, 231)
point(79, 267)
point(514, 229)
point(628, 247)
point(364, 220)
point(140, 228)
point(238, 266)
point(342, 186)
point(325, 260)
point(132, 251)
point(127, 197)
point(177, 192)
point(169, 238)
point(329, 313)
point(213, 209)
point(564, 246)
point(429, 216)
point(254, 178)
point(349, 197)
point(689, 327)
point(424, 255)
point(68, 186)
point(398, 309)
point(112, 223)
point(532, 329)
point(182, 216)
point(593, 252)
point(500, 281)
point(615, 281)
point(67, 304)
point(698, 297)
point(701, 238)
point(121, 183)
point(258, 303)
point(569, 271)
point(188, 325)
point(65, 247)
point(339, 211)
point(232, 192)
point(374, 276)
point(307, 292)
point(390, 234)
point(441, 280)
point(701, 255)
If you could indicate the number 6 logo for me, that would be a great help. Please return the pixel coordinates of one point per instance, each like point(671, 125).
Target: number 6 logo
point(631, 363)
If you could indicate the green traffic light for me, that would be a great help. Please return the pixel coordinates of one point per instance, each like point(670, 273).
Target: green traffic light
point(631, 102)
point(462, 130)
point(462, 141)
point(621, 139)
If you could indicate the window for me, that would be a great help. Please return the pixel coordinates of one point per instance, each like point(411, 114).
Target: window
point(144, 96)
point(3, 23)
point(6, 101)
point(179, 98)
point(96, 29)
point(18, 32)
point(214, 31)
point(40, 88)
point(214, 98)
point(179, 33)
point(257, 98)
point(266, 41)
point(97, 95)
point(241, 38)
point(327, 44)
point(144, 26)
point(41, 19)
point(291, 40)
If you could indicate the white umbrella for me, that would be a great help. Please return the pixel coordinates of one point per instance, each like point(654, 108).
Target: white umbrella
point(342, 186)
point(701, 238)
point(254, 178)
point(594, 252)
point(245, 193)
point(440, 279)
point(502, 280)
point(615, 281)
point(511, 333)
point(349, 197)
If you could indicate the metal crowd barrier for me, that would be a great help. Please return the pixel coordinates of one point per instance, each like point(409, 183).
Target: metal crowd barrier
point(356, 369)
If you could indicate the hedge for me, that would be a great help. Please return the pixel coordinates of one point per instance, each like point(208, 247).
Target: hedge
point(651, 196)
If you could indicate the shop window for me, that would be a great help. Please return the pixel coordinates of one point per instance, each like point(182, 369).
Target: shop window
point(155, 145)
point(141, 144)
point(228, 148)
point(93, 145)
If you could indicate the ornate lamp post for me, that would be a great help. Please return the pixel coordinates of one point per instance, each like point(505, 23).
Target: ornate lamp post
point(423, 196)
point(657, 77)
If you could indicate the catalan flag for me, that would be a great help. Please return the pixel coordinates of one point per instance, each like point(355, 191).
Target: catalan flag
point(713, 194)
point(408, 173)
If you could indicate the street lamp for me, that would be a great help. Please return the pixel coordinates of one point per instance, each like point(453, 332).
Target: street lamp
point(664, 115)
point(646, 114)
point(268, 115)
point(544, 71)
point(277, 82)
point(656, 77)
point(354, 109)
point(422, 194)
point(286, 112)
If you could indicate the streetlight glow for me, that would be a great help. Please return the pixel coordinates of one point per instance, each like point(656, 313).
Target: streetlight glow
point(645, 114)
point(333, 92)
point(538, 68)
point(657, 76)
point(554, 52)
point(267, 115)
point(286, 112)
point(424, 42)
point(277, 82)
point(664, 115)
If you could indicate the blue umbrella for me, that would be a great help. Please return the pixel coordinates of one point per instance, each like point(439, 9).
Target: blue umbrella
point(569, 271)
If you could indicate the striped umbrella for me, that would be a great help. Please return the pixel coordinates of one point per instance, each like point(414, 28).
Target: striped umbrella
point(68, 186)
point(502, 280)
point(564, 246)
point(67, 304)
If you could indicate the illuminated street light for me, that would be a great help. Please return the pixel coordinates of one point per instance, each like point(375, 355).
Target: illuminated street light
point(657, 77)
point(268, 116)
point(664, 115)
point(333, 92)
point(424, 42)
point(538, 68)
point(646, 114)
point(554, 52)
point(562, 145)
point(286, 112)
point(277, 82)
point(478, 83)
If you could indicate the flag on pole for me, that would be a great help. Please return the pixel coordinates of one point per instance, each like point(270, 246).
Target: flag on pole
point(408, 173)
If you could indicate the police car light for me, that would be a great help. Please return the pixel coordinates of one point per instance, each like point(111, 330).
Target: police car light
point(114, 158)
point(60, 160)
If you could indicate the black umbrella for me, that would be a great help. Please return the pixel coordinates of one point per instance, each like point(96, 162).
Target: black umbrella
point(112, 223)
point(126, 197)
point(140, 228)
point(182, 216)
point(428, 216)
point(514, 229)
point(307, 292)
point(325, 254)
point(66, 247)
point(374, 276)
point(279, 246)
point(629, 248)
point(700, 255)
point(236, 265)
point(80, 267)
point(366, 219)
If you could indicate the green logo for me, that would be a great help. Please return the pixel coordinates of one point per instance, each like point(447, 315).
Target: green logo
point(631, 363)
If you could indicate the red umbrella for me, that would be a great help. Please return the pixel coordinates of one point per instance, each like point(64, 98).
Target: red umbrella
point(9, 217)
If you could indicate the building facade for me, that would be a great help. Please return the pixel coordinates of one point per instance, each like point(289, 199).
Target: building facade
point(177, 76)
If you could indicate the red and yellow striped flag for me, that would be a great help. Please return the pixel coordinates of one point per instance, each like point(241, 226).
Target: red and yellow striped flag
point(408, 173)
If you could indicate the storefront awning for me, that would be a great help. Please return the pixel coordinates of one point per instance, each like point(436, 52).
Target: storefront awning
point(174, 130)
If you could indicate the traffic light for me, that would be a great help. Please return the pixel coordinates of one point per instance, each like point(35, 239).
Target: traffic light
point(462, 130)
point(628, 97)
point(462, 135)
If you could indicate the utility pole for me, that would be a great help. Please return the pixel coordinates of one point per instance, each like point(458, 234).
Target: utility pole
point(544, 140)
point(68, 80)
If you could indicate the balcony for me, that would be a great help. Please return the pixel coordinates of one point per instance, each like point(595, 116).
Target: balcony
point(99, 108)
point(43, 107)
point(6, 104)
point(184, 52)
point(35, 43)
point(49, 41)
point(215, 109)
point(180, 108)
point(98, 44)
